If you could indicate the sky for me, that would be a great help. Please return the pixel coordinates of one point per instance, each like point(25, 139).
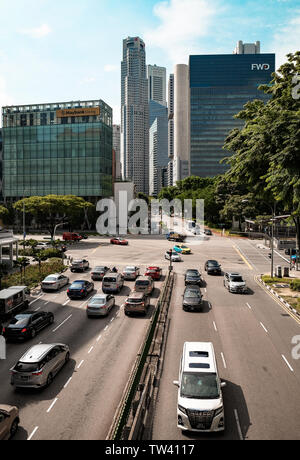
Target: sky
point(70, 50)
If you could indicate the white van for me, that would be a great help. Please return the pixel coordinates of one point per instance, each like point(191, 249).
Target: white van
point(200, 402)
point(112, 282)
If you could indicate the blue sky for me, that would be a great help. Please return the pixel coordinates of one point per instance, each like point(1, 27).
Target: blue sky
point(64, 50)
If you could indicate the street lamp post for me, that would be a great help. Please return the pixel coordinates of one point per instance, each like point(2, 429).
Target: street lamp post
point(53, 238)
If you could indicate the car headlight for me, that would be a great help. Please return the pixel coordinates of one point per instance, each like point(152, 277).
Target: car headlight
point(218, 411)
point(182, 409)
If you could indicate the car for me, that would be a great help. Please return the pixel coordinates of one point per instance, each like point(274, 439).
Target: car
point(98, 272)
point(235, 283)
point(70, 236)
point(83, 236)
point(192, 276)
point(119, 241)
point(182, 249)
point(100, 305)
point(212, 267)
point(207, 231)
point(174, 236)
point(137, 302)
point(54, 282)
point(131, 272)
point(192, 299)
point(43, 245)
point(112, 282)
point(154, 272)
point(290, 251)
point(174, 256)
point(9, 421)
point(144, 284)
point(80, 289)
point(79, 265)
point(26, 325)
point(39, 365)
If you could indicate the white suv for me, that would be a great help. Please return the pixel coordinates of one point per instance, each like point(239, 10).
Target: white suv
point(234, 282)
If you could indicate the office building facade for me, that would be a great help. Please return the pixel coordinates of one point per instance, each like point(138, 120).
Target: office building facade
point(170, 127)
point(117, 150)
point(135, 114)
point(220, 86)
point(157, 84)
point(158, 147)
point(58, 148)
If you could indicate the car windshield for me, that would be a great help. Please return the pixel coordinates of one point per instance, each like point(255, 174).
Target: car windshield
point(98, 301)
point(199, 386)
point(236, 279)
point(212, 263)
point(51, 278)
point(192, 293)
point(99, 269)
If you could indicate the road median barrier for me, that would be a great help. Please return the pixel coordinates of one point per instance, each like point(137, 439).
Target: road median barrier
point(133, 418)
point(281, 299)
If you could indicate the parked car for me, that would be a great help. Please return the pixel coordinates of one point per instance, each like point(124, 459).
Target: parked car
point(84, 236)
point(80, 289)
point(39, 365)
point(9, 421)
point(192, 299)
point(174, 256)
point(144, 284)
point(26, 325)
point(131, 272)
point(54, 282)
point(182, 249)
point(192, 276)
point(112, 282)
point(207, 231)
point(70, 236)
point(98, 272)
point(136, 303)
point(12, 300)
point(154, 272)
point(43, 245)
point(100, 305)
point(174, 236)
point(212, 267)
point(79, 265)
point(290, 251)
point(234, 282)
point(119, 241)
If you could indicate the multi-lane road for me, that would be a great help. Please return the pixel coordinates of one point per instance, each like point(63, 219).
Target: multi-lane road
point(251, 333)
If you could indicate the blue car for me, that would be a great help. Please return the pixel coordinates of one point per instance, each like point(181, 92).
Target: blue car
point(79, 289)
point(182, 249)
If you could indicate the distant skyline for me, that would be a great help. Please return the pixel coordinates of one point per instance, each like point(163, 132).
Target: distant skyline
point(72, 49)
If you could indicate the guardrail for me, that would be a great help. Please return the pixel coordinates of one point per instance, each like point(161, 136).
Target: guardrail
point(130, 419)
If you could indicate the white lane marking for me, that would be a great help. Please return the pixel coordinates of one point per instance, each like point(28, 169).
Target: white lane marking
point(264, 327)
point(215, 326)
point(54, 330)
point(287, 363)
point(224, 362)
point(249, 306)
point(106, 328)
point(80, 364)
point(85, 302)
point(33, 433)
point(51, 406)
point(112, 320)
point(205, 290)
point(99, 338)
point(65, 386)
point(238, 424)
point(90, 350)
point(37, 309)
point(36, 299)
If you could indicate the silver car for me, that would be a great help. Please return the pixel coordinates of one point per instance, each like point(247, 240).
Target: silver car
point(175, 256)
point(39, 365)
point(54, 282)
point(131, 273)
point(100, 305)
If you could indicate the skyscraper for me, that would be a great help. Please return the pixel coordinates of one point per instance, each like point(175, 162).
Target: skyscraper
point(135, 114)
point(157, 83)
point(158, 147)
point(170, 128)
point(116, 147)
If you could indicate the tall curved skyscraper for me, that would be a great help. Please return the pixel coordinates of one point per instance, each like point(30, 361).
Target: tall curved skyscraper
point(135, 114)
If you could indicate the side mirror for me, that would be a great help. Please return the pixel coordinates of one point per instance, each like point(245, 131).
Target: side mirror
point(176, 383)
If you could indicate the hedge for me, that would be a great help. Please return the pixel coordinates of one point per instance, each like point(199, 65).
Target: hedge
point(295, 285)
point(34, 275)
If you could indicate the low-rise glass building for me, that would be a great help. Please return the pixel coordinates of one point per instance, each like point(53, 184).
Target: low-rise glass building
point(60, 148)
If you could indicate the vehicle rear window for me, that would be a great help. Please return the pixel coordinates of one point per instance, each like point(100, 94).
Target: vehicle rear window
point(27, 367)
point(199, 365)
point(142, 283)
point(20, 321)
point(50, 278)
point(110, 280)
point(98, 301)
point(134, 300)
point(77, 284)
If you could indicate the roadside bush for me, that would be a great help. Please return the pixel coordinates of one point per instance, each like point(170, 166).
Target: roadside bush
point(269, 280)
point(52, 253)
point(295, 285)
point(34, 275)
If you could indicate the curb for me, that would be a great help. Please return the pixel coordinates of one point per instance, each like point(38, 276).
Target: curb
point(279, 297)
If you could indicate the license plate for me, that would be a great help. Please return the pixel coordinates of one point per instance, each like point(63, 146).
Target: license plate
point(201, 426)
point(24, 377)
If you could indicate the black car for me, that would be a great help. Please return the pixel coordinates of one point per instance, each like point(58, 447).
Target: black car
point(79, 289)
point(26, 325)
point(192, 276)
point(192, 299)
point(212, 267)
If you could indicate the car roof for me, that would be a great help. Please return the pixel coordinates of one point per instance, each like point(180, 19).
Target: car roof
point(205, 358)
point(144, 277)
point(234, 274)
point(9, 292)
point(36, 352)
point(136, 295)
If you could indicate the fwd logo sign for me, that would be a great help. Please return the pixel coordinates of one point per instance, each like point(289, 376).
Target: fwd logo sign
point(260, 67)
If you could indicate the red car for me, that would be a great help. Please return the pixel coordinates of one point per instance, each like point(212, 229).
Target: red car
point(154, 272)
point(119, 241)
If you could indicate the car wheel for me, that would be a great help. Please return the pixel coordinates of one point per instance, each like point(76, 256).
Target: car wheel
point(51, 320)
point(49, 379)
point(14, 427)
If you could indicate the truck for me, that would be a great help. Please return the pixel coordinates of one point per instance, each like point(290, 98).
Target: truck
point(12, 300)
point(70, 236)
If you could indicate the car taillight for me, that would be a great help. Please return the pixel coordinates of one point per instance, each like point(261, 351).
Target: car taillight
point(37, 373)
point(82, 291)
point(68, 290)
point(24, 330)
point(3, 330)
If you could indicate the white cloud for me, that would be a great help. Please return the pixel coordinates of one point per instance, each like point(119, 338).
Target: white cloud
point(37, 32)
point(111, 68)
point(88, 80)
point(183, 22)
point(286, 39)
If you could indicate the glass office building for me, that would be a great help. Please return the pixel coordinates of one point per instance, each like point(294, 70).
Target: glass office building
point(61, 148)
point(220, 85)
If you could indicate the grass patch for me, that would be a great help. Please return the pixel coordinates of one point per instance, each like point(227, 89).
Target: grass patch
point(269, 280)
point(293, 301)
